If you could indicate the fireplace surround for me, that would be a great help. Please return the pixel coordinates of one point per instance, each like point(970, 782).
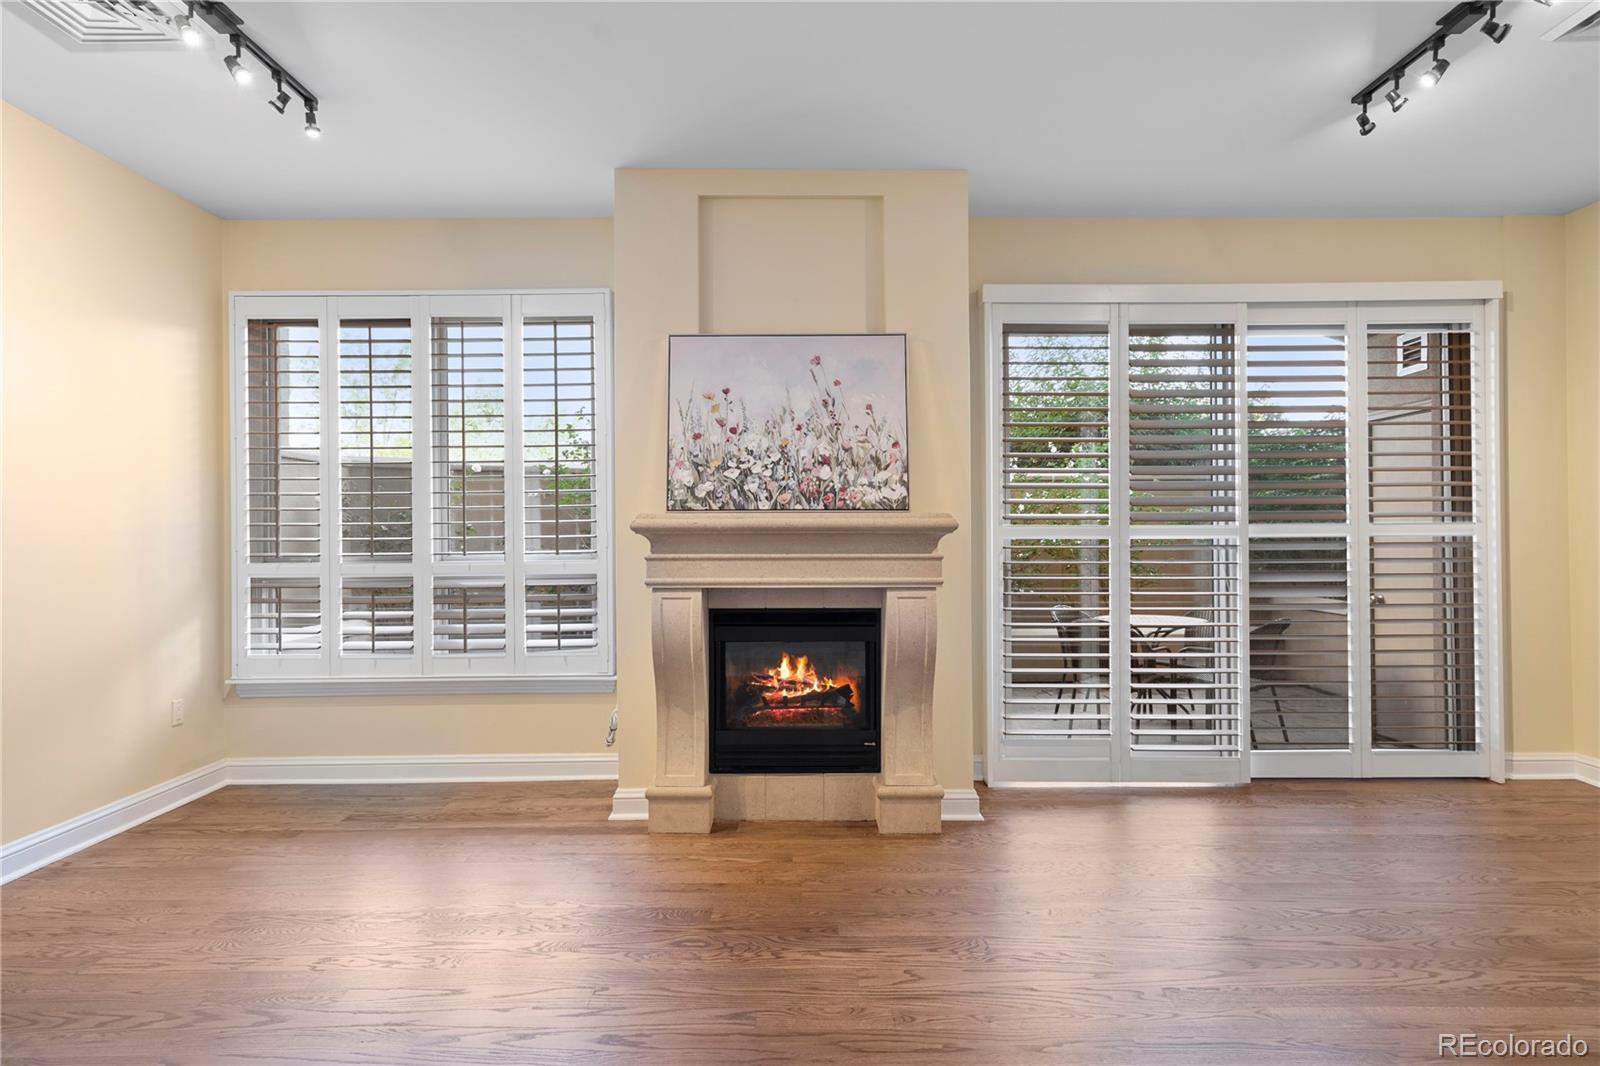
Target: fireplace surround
point(884, 563)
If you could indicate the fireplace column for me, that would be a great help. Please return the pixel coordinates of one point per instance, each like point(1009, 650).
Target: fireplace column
point(908, 797)
point(682, 798)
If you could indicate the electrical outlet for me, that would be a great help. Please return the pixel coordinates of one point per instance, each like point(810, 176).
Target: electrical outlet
point(177, 712)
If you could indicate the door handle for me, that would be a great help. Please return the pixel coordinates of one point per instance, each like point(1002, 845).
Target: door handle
point(1377, 600)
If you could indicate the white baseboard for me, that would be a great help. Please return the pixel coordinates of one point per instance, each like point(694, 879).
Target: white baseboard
point(1553, 766)
point(960, 805)
point(26, 854)
point(418, 769)
point(629, 805)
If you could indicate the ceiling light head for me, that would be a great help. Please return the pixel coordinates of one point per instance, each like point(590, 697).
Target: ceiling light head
point(1431, 76)
point(240, 73)
point(312, 129)
point(188, 32)
point(1396, 98)
point(1363, 123)
point(279, 103)
point(1492, 29)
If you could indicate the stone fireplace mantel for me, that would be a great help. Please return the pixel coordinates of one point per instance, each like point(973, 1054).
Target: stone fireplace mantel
point(890, 558)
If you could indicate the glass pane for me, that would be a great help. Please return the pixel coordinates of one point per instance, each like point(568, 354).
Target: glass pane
point(1183, 416)
point(1420, 423)
point(1297, 409)
point(1424, 638)
point(1055, 447)
point(1299, 644)
point(558, 427)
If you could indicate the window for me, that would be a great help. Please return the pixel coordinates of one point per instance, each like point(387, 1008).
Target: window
point(411, 561)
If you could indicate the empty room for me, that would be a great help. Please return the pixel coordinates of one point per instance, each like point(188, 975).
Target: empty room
point(819, 532)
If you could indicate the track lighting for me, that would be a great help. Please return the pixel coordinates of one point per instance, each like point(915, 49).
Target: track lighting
point(1396, 98)
point(1431, 76)
point(1459, 19)
point(279, 103)
point(312, 129)
point(1495, 31)
point(240, 73)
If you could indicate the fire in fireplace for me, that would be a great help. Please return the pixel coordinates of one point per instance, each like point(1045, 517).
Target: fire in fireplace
point(794, 691)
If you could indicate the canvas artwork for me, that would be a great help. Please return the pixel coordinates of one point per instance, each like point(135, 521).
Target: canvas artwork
point(787, 423)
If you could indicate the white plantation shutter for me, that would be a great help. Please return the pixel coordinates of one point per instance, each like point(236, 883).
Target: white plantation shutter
point(469, 616)
point(285, 616)
point(1183, 455)
point(426, 551)
point(1421, 423)
point(377, 617)
point(1300, 644)
point(558, 434)
point(1297, 425)
point(375, 438)
point(469, 437)
point(1184, 678)
point(560, 615)
point(1056, 653)
point(283, 440)
point(1055, 424)
point(1425, 643)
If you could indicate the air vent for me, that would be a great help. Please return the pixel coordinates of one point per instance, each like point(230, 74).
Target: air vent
point(104, 22)
point(1582, 25)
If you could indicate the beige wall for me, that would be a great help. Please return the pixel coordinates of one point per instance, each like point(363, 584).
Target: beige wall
point(411, 255)
point(1583, 470)
point(1527, 253)
point(112, 380)
point(761, 251)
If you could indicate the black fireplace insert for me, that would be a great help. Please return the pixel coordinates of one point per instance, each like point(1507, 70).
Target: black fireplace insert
point(794, 691)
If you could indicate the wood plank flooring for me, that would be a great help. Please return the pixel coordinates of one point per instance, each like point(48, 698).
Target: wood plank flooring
point(1326, 922)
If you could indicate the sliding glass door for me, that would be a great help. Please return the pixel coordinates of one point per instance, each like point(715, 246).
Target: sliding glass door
point(1239, 539)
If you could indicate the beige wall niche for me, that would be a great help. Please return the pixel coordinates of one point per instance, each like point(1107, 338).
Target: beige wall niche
point(734, 251)
point(114, 558)
point(1527, 253)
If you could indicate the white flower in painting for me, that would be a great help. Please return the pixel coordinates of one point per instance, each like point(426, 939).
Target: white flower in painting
point(894, 492)
point(701, 489)
point(732, 473)
point(683, 476)
point(824, 472)
point(752, 484)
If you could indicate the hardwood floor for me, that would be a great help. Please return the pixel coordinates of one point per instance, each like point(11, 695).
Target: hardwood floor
point(1288, 922)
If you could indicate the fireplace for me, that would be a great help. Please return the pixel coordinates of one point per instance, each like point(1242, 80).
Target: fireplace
point(794, 691)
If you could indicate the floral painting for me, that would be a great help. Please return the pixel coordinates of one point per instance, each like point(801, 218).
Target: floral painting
point(787, 423)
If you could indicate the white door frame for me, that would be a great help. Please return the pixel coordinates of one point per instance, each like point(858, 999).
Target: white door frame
point(1050, 304)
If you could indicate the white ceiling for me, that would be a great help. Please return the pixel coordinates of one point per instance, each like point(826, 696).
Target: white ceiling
point(457, 110)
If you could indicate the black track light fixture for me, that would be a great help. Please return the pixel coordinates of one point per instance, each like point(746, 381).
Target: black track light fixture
point(279, 103)
point(188, 32)
point(223, 21)
point(1495, 31)
point(1433, 74)
point(241, 74)
point(1484, 14)
point(1396, 98)
point(1363, 123)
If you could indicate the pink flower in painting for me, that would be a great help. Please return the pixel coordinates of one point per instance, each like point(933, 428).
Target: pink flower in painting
point(827, 500)
point(707, 396)
point(854, 496)
point(837, 383)
point(816, 360)
point(869, 408)
point(798, 428)
point(733, 431)
point(722, 421)
point(697, 436)
point(726, 390)
point(894, 444)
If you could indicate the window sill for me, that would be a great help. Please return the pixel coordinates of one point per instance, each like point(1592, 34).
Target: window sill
point(268, 687)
